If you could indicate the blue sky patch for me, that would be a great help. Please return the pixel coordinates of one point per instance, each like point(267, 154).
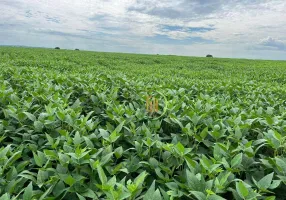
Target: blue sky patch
point(187, 29)
point(163, 39)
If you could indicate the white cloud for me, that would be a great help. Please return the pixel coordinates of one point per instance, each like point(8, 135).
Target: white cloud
point(275, 43)
point(235, 24)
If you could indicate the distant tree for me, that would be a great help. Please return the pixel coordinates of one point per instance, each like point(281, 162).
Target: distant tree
point(76, 49)
point(57, 48)
point(209, 56)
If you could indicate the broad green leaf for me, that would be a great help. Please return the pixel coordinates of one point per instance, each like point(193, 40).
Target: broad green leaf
point(50, 139)
point(104, 133)
point(153, 162)
point(157, 195)
point(151, 194)
point(102, 175)
point(60, 115)
point(80, 197)
point(118, 152)
point(69, 180)
point(89, 193)
point(215, 197)
point(5, 196)
point(140, 178)
point(77, 139)
point(281, 164)
point(270, 198)
point(42, 176)
point(205, 162)
point(88, 142)
point(275, 184)
point(204, 133)
point(194, 183)
point(105, 159)
point(30, 116)
point(180, 148)
point(46, 193)
point(241, 189)
point(39, 158)
point(59, 188)
point(265, 182)
point(4, 151)
point(199, 195)
point(28, 192)
point(12, 159)
point(237, 120)
point(76, 104)
point(119, 127)
point(38, 126)
point(236, 161)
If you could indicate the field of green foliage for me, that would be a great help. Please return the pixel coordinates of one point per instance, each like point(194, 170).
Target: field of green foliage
point(74, 125)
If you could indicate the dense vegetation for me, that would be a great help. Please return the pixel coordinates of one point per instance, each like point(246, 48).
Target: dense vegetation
point(74, 125)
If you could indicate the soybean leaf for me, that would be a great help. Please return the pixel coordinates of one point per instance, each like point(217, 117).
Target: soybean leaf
point(236, 161)
point(28, 192)
point(241, 189)
point(265, 182)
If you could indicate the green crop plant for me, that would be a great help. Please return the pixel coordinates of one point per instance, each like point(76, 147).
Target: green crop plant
point(74, 125)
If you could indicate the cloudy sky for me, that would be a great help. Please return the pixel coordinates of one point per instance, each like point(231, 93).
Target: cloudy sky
point(224, 28)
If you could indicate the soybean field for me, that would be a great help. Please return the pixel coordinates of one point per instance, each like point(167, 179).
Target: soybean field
point(93, 125)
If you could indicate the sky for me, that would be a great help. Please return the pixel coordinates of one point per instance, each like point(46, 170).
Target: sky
point(253, 29)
